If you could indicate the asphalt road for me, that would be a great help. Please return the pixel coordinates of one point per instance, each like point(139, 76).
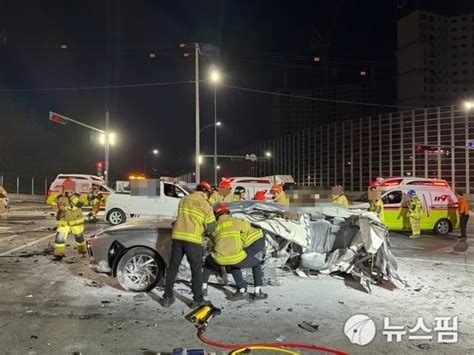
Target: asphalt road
point(48, 307)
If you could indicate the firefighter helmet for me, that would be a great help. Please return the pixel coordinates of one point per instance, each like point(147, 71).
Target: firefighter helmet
point(276, 188)
point(222, 209)
point(69, 185)
point(411, 193)
point(239, 190)
point(260, 195)
point(204, 186)
point(225, 184)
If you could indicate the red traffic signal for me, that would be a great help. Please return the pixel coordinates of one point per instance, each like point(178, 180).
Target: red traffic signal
point(99, 165)
point(57, 118)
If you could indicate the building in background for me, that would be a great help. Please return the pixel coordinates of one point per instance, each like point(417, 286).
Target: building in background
point(435, 59)
point(352, 152)
point(291, 114)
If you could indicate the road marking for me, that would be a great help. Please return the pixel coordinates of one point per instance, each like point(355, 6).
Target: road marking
point(9, 237)
point(28, 244)
point(436, 261)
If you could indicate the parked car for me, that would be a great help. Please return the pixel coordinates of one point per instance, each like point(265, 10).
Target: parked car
point(83, 186)
point(125, 206)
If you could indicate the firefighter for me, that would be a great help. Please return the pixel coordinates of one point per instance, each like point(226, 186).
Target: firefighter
point(279, 195)
point(70, 220)
point(227, 245)
point(95, 199)
point(376, 203)
point(239, 193)
point(338, 196)
point(195, 217)
point(3, 201)
point(414, 213)
point(215, 196)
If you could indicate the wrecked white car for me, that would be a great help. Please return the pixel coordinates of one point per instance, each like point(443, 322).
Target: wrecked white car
point(326, 238)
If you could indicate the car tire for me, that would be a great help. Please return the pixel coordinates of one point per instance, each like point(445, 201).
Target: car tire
point(116, 216)
point(443, 227)
point(139, 270)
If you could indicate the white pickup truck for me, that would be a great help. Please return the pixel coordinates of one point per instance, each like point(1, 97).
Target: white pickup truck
point(125, 206)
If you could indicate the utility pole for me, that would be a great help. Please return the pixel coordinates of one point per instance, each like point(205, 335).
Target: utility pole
point(196, 55)
point(107, 144)
point(215, 136)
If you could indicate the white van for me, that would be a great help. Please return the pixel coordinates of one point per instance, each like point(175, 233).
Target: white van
point(125, 206)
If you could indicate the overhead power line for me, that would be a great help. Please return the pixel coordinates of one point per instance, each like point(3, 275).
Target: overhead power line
point(124, 86)
point(319, 98)
point(258, 91)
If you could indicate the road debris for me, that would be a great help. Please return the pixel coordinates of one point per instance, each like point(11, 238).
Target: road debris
point(308, 326)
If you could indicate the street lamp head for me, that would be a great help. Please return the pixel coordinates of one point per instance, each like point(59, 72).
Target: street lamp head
point(112, 138)
point(468, 105)
point(218, 123)
point(155, 151)
point(215, 76)
point(268, 154)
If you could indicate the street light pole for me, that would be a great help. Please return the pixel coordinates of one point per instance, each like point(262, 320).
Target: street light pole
point(215, 135)
point(107, 145)
point(196, 62)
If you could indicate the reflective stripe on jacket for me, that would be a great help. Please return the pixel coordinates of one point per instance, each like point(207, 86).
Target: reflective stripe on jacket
point(250, 235)
point(194, 215)
point(377, 207)
point(281, 199)
point(226, 241)
point(69, 210)
point(231, 198)
point(414, 208)
point(341, 200)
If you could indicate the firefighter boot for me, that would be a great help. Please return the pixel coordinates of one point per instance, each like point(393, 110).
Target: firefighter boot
point(59, 249)
point(81, 246)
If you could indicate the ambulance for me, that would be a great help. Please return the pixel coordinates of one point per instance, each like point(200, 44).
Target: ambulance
point(439, 212)
point(83, 187)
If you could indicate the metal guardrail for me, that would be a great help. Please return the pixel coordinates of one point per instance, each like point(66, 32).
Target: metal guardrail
point(24, 184)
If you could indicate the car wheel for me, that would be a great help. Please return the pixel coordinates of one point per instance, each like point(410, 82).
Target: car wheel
point(116, 216)
point(442, 227)
point(139, 270)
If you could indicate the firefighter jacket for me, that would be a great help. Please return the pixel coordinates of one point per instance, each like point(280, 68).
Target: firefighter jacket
point(194, 217)
point(226, 241)
point(69, 210)
point(376, 206)
point(250, 234)
point(215, 197)
point(281, 199)
point(414, 208)
point(341, 200)
point(231, 198)
point(95, 197)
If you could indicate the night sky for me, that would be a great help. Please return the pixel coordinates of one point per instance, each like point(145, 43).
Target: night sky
point(108, 44)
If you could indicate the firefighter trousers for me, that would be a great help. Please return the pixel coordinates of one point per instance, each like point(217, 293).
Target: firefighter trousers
point(415, 227)
point(62, 233)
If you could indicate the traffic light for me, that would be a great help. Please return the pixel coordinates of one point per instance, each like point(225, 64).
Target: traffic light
point(57, 118)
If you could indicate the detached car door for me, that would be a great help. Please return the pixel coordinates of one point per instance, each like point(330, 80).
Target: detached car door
point(393, 210)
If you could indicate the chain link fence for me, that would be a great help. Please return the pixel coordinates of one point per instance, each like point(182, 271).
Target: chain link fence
point(24, 184)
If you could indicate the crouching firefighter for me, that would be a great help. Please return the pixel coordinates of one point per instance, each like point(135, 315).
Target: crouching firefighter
point(95, 199)
point(70, 220)
point(227, 249)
